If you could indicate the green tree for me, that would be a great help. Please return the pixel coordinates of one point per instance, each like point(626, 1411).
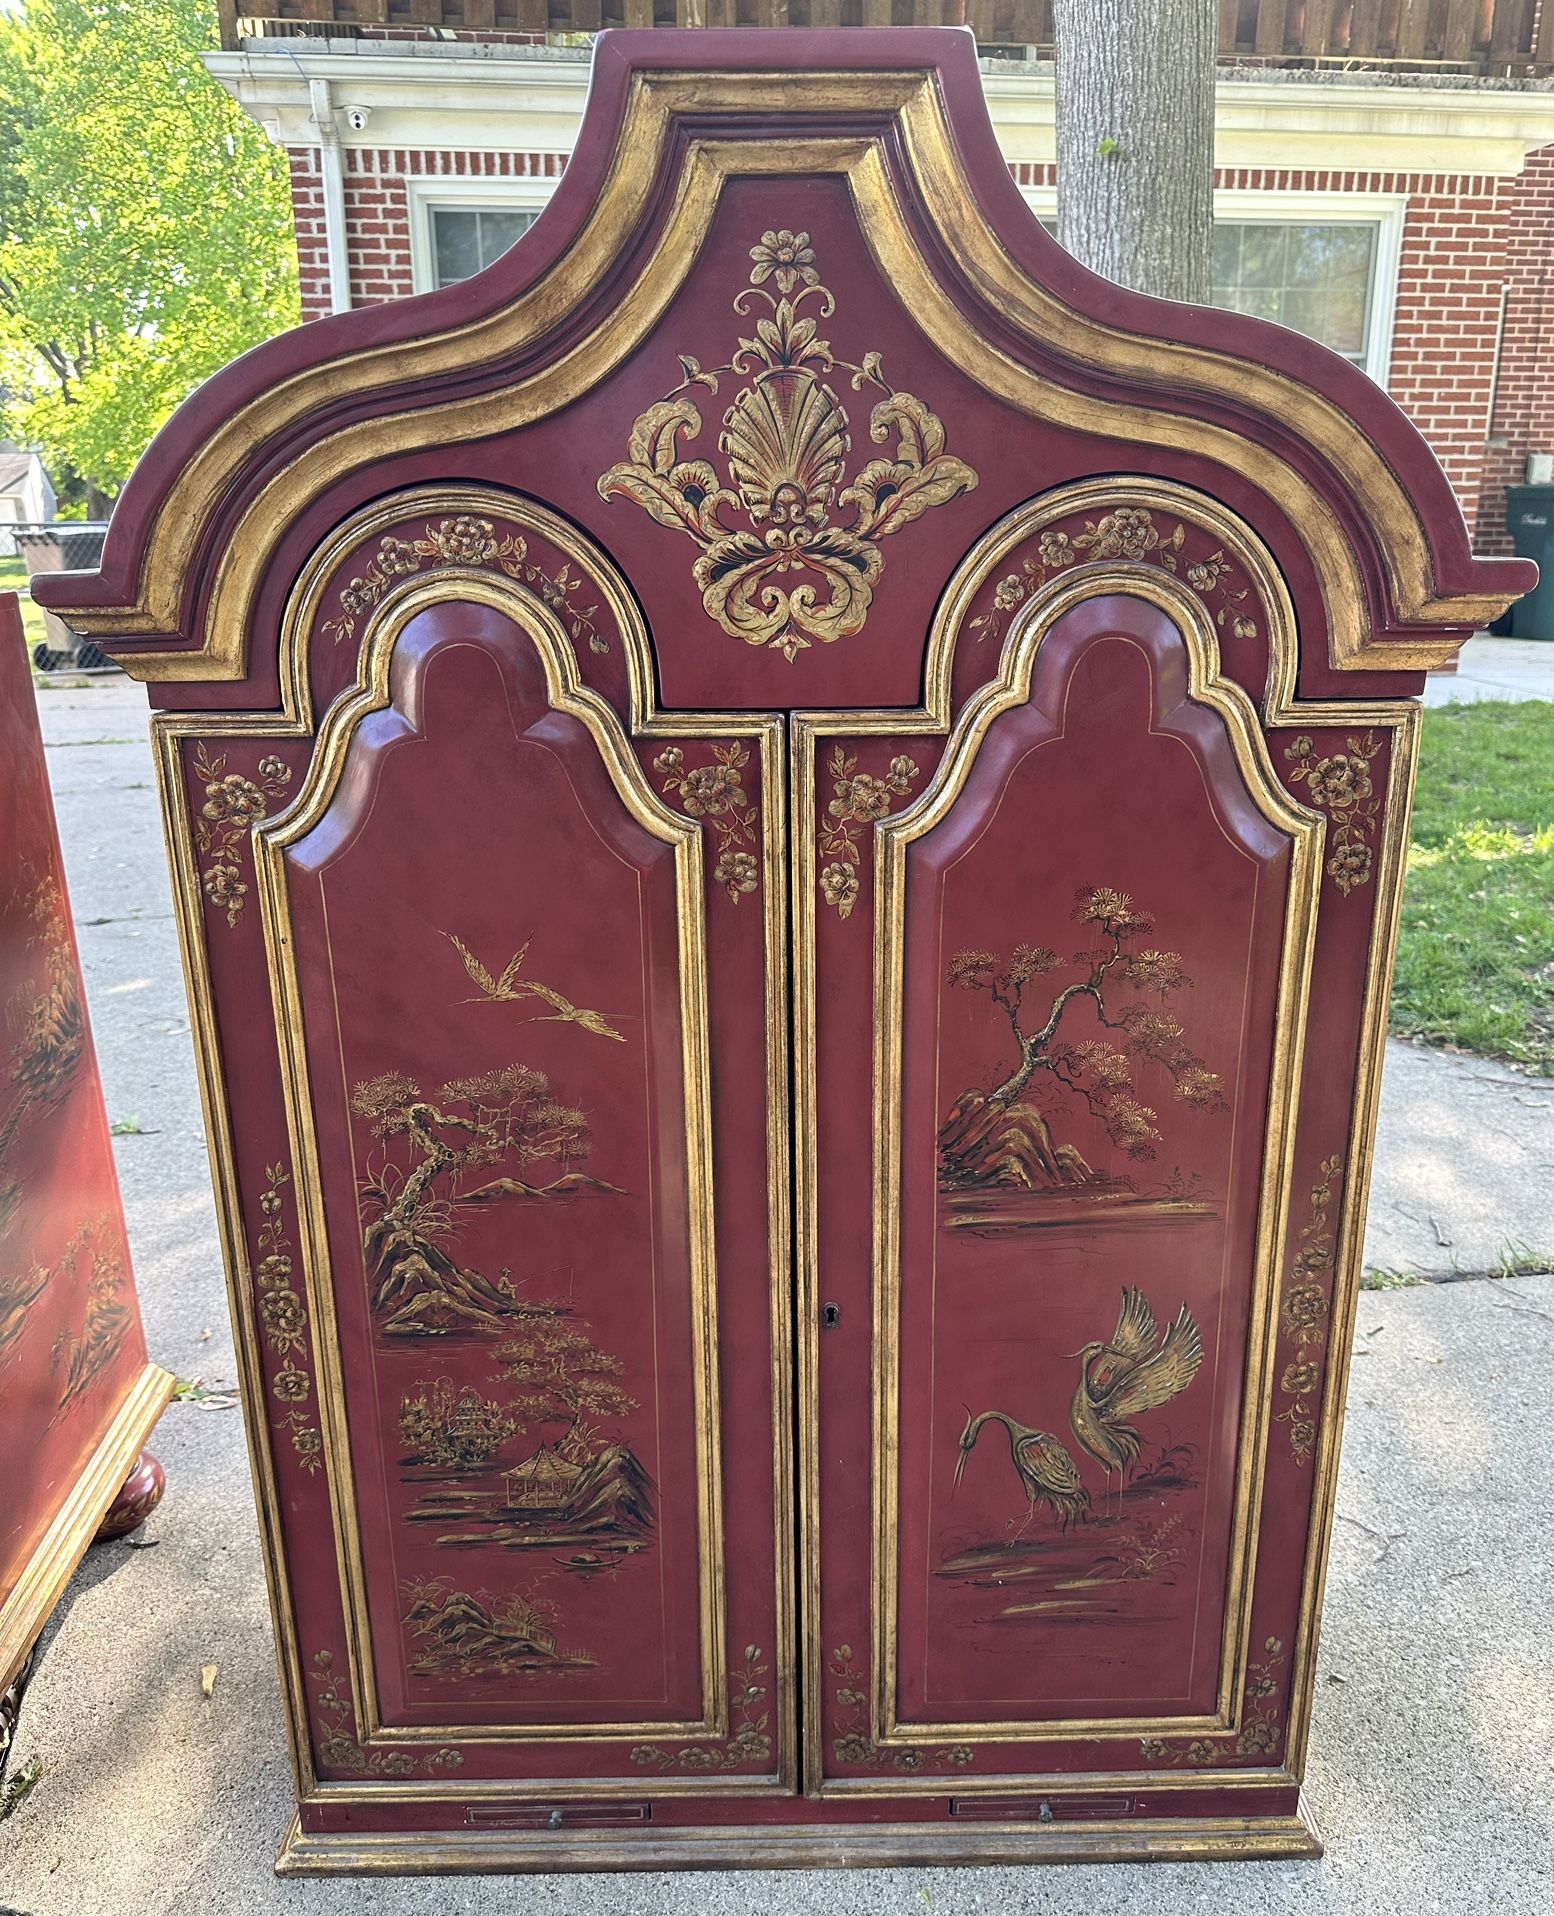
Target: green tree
point(145, 228)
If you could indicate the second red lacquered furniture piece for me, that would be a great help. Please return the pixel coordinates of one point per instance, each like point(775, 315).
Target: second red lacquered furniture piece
point(78, 1397)
point(788, 816)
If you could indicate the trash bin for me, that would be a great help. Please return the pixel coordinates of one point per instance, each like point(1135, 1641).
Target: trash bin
point(1529, 512)
point(63, 545)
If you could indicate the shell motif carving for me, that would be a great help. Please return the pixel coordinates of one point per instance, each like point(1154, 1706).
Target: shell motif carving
point(790, 546)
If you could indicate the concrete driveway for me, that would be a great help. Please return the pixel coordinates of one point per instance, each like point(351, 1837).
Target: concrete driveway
point(1432, 1769)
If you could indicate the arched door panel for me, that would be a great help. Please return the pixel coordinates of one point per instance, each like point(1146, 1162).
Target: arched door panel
point(489, 935)
point(1092, 936)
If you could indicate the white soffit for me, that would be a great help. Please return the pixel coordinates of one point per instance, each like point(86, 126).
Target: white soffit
point(462, 96)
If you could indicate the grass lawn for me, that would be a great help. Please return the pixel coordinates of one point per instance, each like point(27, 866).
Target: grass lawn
point(1476, 954)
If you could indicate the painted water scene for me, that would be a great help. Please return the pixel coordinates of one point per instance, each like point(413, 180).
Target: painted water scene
point(530, 1466)
point(516, 1438)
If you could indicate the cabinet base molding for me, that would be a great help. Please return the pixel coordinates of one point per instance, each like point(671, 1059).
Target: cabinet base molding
point(75, 1524)
point(833, 1846)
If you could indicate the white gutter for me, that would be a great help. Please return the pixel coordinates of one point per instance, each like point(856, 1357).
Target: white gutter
point(322, 116)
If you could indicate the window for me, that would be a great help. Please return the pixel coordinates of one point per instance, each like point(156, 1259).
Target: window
point(1323, 264)
point(466, 239)
point(1315, 279)
point(458, 227)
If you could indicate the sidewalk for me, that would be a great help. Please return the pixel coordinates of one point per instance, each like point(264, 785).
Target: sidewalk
point(1464, 1177)
point(1495, 669)
point(1431, 1770)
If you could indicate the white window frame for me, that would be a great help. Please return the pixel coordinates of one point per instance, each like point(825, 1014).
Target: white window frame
point(447, 192)
point(1384, 211)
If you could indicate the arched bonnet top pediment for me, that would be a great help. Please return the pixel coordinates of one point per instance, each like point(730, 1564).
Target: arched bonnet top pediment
point(1322, 465)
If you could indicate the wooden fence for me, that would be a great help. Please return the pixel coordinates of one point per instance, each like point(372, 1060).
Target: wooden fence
point(1469, 36)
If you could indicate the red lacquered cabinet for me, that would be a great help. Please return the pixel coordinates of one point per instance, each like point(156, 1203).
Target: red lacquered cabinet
point(78, 1396)
point(788, 815)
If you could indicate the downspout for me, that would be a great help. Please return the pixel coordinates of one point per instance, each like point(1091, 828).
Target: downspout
point(333, 180)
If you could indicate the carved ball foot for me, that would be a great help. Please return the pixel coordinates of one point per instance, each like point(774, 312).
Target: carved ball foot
point(140, 1495)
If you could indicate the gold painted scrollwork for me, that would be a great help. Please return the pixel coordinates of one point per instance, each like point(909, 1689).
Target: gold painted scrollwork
point(790, 543)
point(233, 805)
point(470, 541)
point(1305, 1311)
point(1258, 1736)
point(339, 1747)
point(853, 1745)
point(284, 1319)
point(861, 800)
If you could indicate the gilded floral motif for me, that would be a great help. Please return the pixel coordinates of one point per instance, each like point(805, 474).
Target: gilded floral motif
point(1259, 1735)
point(852, 1743)
point(291, 1384)
point(716, 792)
point(786, 257)
point(283, 1318)
point(1340, 785)
point(749, 1740)
point(338, 1747)
point(861, 799)
point(465, 541)
point(1304, 1313)
point(233, 805)
point(790, 542)
point(1128, 533)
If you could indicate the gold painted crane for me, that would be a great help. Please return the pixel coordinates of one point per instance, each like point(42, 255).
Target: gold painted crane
point(1047, 1472)
point(510, 988)
point(1137, 1371)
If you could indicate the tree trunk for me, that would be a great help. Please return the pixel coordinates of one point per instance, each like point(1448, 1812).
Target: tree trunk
point(1135, 134)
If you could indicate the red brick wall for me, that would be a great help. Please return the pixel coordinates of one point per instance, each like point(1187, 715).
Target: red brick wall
point(307, 214)
point(1523, 420)
point(1469, 243)
point(1446, 324)
point(377, 222)
point(377, 213)
point(1446, 332)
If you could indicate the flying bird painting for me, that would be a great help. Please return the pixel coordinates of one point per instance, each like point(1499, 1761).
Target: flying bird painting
point(512, 988)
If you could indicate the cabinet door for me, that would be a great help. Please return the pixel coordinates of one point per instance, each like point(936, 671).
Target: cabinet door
point(1048, 1045)
point(530, 1238)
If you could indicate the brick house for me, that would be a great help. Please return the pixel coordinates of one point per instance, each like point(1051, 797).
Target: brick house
point(1385, 167)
